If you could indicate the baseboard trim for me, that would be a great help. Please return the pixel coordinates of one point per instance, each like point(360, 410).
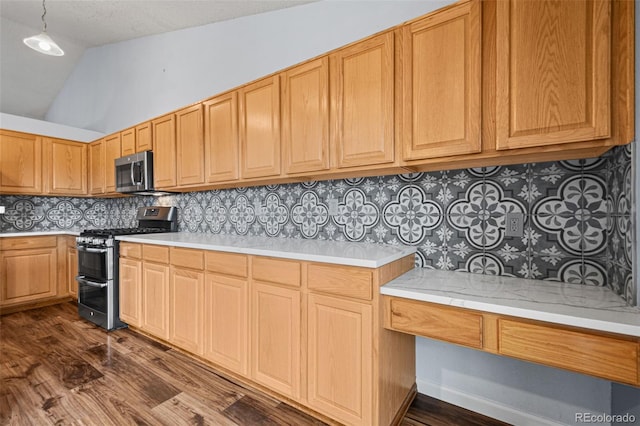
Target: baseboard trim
point(483, 406)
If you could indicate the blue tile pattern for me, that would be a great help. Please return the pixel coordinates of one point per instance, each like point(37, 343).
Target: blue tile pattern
point(577, 216)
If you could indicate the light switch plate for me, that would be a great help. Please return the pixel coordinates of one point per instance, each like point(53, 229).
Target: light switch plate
point(514, 223)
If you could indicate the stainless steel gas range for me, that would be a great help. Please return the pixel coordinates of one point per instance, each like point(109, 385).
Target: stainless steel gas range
point(98, 271)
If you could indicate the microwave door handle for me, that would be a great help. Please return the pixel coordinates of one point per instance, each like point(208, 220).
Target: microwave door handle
point(133, 179)
point(81, 279)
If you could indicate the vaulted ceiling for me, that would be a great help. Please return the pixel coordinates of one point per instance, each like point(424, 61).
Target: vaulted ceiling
point(30, 81)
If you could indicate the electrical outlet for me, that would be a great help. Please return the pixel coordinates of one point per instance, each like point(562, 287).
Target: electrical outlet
point(514, 223)
point(333, 206)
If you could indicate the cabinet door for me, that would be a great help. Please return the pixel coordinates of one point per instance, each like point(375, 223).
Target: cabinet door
point(155, 299)
point(28, 275)
point(553, 72)
point(20, 163)
point(260, 128)
point(144, 137)
point(305, 117)
point(221, 138)
point(131, 291)
point(226, 320)
point(65, 167)
point(275, 351)
point(112, 150)
point(362, 97)
point(128, 141)
point(185, 309)
point(72, 271)
point(340, 359)
point(442, 83)
point(96, 168)
point(190, 146)
point(164, 154)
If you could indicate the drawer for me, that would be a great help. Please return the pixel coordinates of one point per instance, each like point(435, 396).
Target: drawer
point(278, 271)
point(187, 258)
point(154, 253)
point(341, 281)
point(452, 325)
point(131, 250)
point(597, 355)
point(226, 263)
point(28, 242)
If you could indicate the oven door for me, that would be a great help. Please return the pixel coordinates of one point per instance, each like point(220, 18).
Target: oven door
point(93, 294)
point(94, 263)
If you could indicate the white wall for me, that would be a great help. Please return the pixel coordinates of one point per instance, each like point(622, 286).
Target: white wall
point(45, 128)
point(118, 85)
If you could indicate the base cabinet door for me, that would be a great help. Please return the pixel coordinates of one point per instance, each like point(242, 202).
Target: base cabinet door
point(276, 338)
point(131, 291)
point(155, 299)
point(28, 275)
point(72, 271)
point(226, 318)
point(340, 356)
point(185, 316)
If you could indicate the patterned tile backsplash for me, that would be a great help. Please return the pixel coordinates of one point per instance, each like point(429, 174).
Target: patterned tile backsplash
point(577, 216)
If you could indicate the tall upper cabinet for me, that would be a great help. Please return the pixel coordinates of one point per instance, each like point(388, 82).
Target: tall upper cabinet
point(441, 59)
point(189, 146)
point(221, 145)
point(362, 102)
point(20, 163)
point(552, 72)
point(65, 167)
point(164, 155)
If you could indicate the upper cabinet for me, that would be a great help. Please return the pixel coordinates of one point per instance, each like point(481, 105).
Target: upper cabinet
point(20, 163)
point(128, 141)
point(305, 117)
point(441, 83)
point(96, 168)
point(64, 167)
point(144, 137)
point(552, 72)
point(221, 145)
point(164, 154)
point(112, 151)
point(260, 128)
point(362, 102)
point(189, 146)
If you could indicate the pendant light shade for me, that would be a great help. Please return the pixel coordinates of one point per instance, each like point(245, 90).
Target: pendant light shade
point(42, 42)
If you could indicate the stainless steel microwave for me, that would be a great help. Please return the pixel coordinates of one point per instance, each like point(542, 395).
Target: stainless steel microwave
point(134, 173)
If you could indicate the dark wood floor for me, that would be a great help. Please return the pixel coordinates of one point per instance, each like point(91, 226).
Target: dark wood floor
point(56, 369)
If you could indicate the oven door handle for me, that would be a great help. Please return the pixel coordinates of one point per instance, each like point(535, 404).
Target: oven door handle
point(83, 280)
point(91, 250)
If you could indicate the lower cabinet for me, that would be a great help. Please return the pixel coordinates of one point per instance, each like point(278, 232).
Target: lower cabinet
point(339, 379)
point(131, 291)
point(155, 299)
point(185, 308)
point(275, 327)
point(72, 270)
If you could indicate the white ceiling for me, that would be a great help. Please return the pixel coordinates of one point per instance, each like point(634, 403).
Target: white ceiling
point(29, 81)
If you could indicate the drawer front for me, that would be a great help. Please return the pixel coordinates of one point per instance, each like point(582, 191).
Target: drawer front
point(602, 356)
point(131, 250)
point(341, 281)
point(187, 258)
point(278, 271)
point(226, 263)
point(28, 242)
point(153, 253)
point(437, 322)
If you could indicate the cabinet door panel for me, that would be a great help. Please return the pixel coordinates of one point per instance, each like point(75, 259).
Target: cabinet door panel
point(305, 120)
point(66, 165)
point(190, 146)
point(20, 163)
point(164, 153)
point(362, 84)
point(128, 141)
point(276, 338)
point(96, 168)
point(221, 138)
point(442, 83)
point(144, 137)
point(131, 291)
point(72, 271)
point(185, 301)
point(340, 359)
point(260, 128)
point(27, 275)
point(155, 299)
point(553, 72)
point(112, 151)
point(226, 319)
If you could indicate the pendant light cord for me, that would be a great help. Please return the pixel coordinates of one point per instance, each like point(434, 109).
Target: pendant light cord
point(44, 23)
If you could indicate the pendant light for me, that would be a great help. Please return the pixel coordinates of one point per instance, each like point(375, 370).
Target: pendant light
point(42, 42)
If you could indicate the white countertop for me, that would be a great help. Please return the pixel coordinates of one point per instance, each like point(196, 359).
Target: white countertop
point(40, 233)
point(341, 253)
point(596, 308)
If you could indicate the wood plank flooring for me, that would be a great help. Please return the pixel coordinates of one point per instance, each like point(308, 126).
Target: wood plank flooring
point(57, 369)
